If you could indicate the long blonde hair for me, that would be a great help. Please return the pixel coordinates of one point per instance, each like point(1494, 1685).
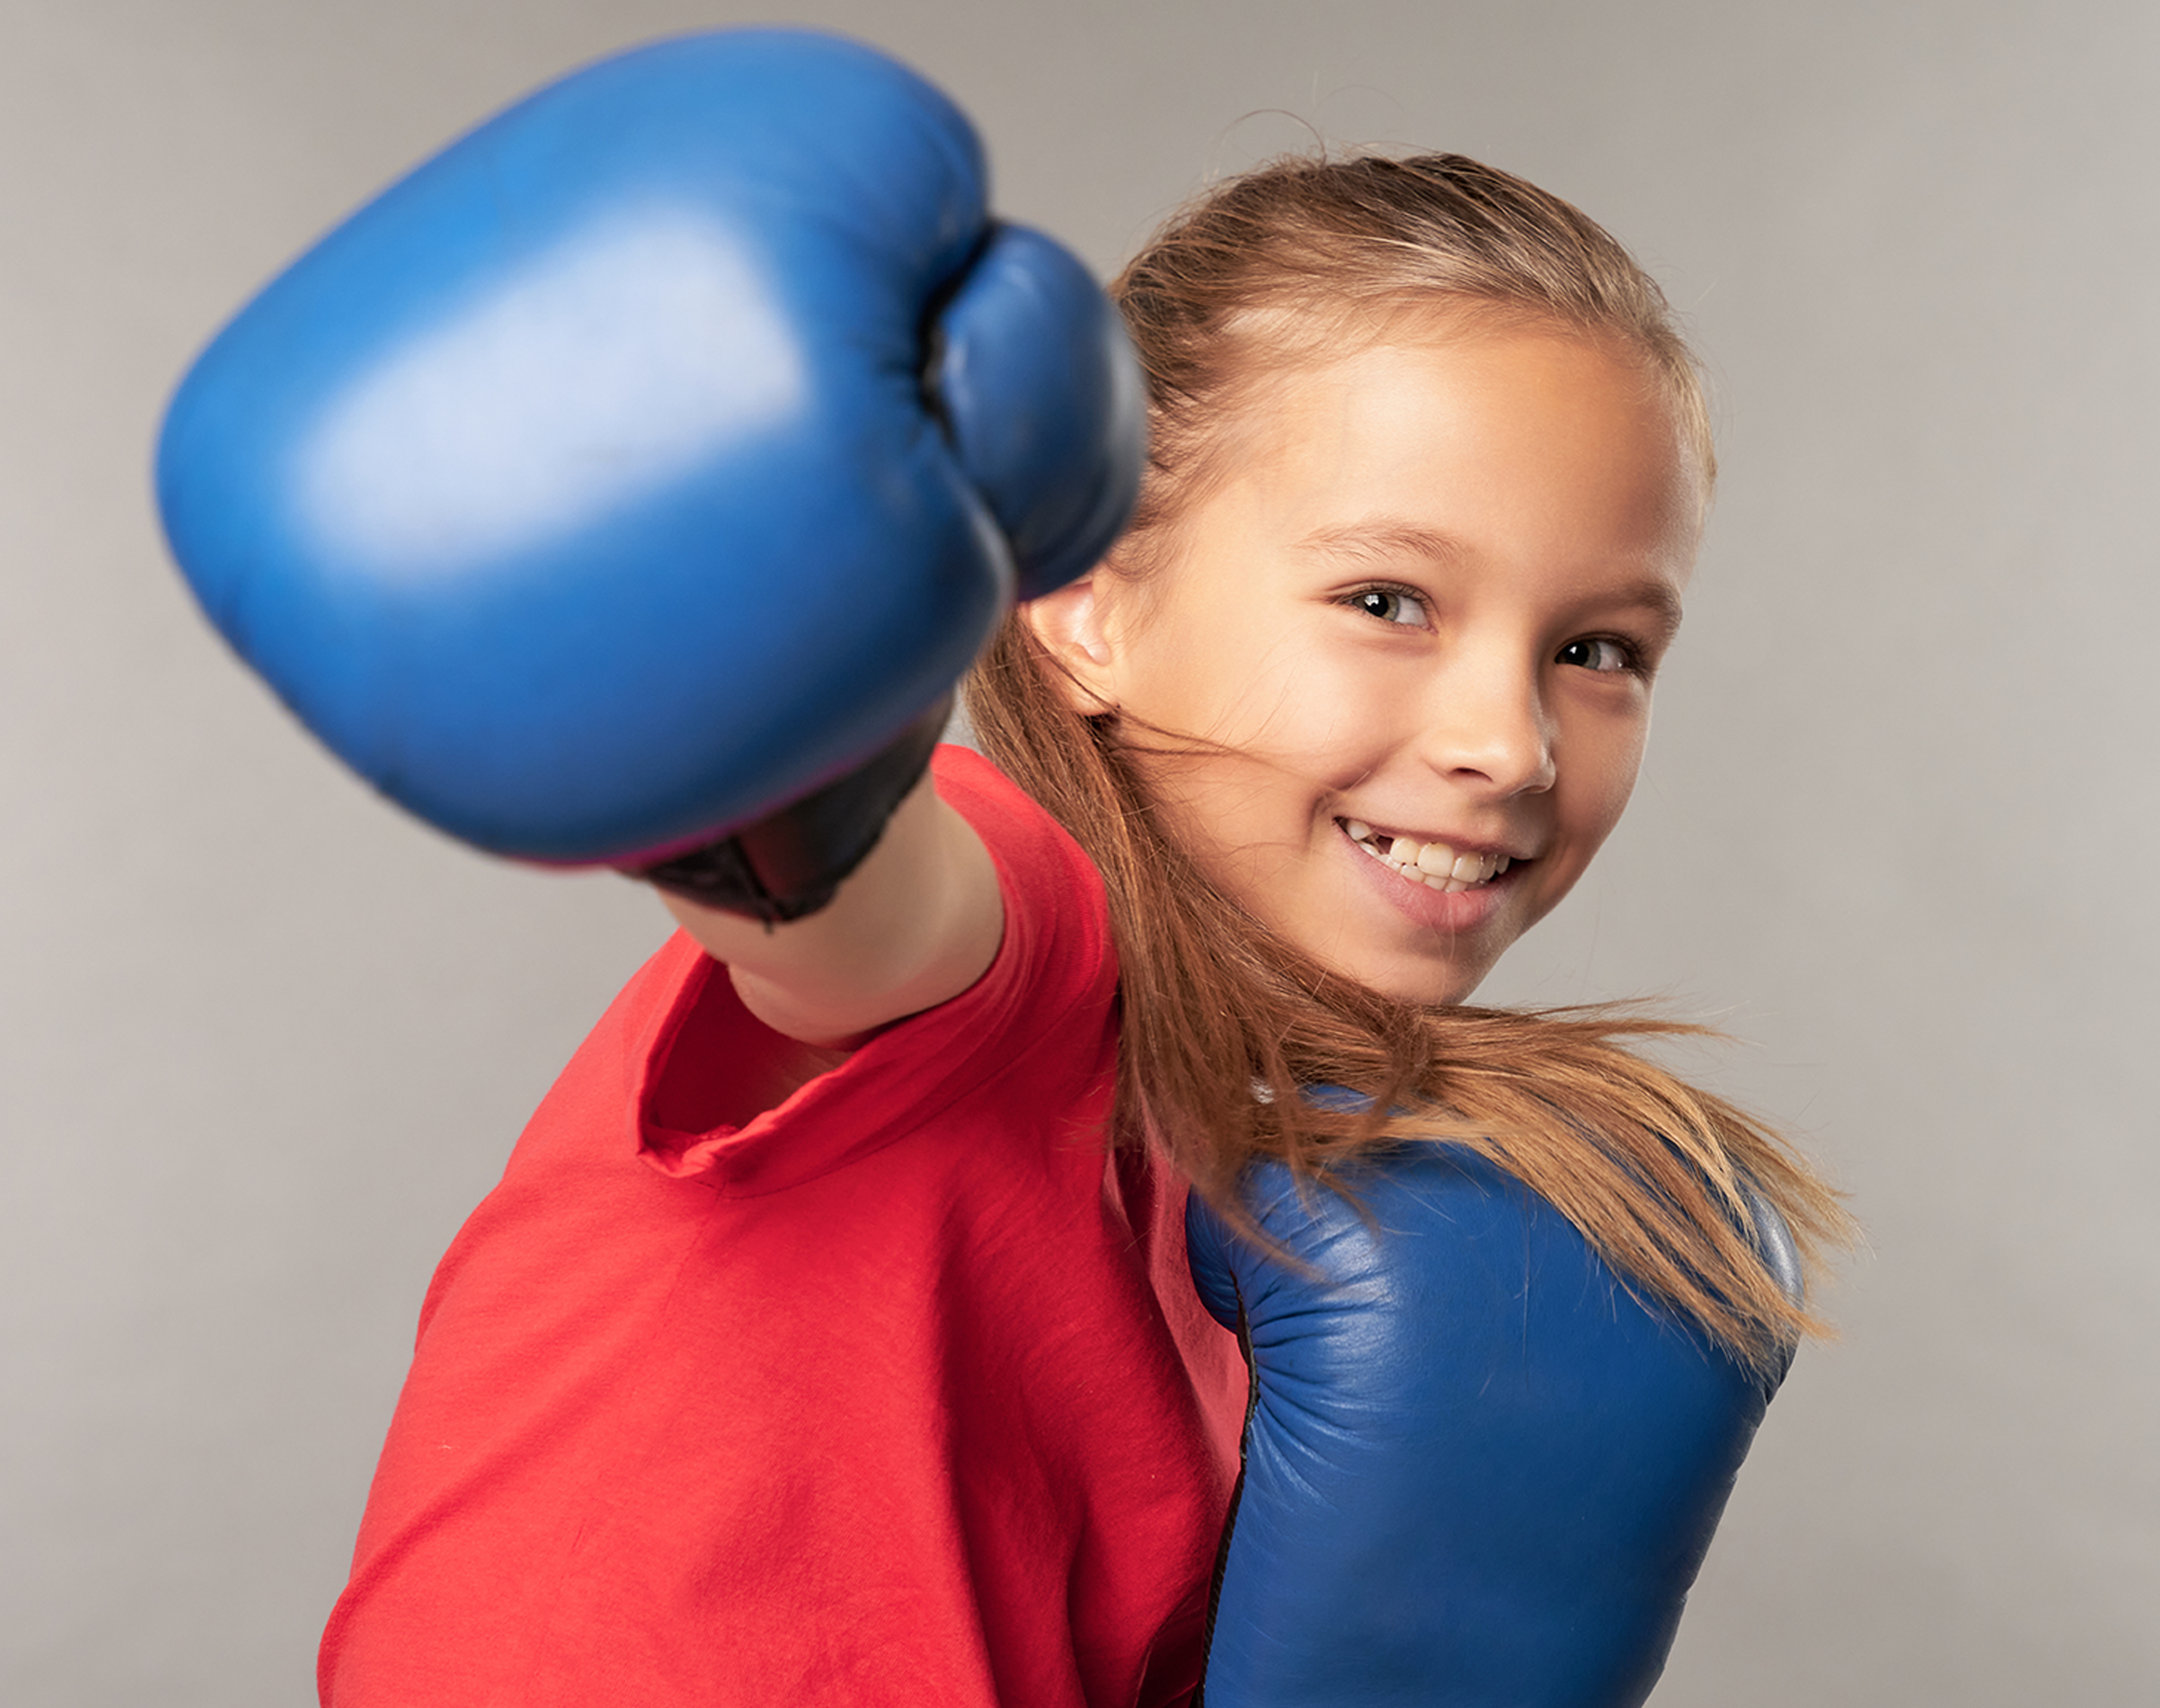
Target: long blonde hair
point(1272, 267)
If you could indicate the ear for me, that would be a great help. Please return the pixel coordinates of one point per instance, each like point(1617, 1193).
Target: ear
point(1073, 625)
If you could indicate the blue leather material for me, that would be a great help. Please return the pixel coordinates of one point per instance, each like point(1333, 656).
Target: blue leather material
point(582, 490)
point(1061, 481)
point(1478, 1472)
point(1780, 1252)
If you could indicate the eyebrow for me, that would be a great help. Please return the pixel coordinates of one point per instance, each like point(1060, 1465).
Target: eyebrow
point(1663, 604)
point(1382, 540)
point(1364, 542)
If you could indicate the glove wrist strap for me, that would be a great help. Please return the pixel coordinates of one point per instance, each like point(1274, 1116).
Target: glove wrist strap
point(791, 864)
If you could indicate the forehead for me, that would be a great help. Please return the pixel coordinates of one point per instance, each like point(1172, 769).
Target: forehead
point(1513, 439)
point(1269, 347)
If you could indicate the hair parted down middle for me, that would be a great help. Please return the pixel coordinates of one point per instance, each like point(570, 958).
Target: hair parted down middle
point(1283, 264)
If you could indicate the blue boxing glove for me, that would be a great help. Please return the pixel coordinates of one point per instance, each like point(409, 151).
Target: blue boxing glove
point(1477, 1472)
point(656, 456)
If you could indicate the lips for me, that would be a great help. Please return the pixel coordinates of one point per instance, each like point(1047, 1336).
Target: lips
point(1434, 865)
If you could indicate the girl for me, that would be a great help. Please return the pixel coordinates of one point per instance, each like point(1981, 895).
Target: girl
point(1429, 465)
point(829, 1338)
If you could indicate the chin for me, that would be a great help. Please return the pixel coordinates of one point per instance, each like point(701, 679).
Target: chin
point(1433, 993)
point(1419, 982)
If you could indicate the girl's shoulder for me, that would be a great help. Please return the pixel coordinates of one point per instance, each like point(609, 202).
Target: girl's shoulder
point(1057, 913)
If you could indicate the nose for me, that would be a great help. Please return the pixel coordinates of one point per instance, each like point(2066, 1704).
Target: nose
point(1487, 727)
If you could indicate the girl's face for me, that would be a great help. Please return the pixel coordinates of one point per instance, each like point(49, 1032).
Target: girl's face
point(1416, 624)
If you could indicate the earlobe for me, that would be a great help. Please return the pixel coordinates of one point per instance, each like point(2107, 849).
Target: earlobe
point(1071, 623)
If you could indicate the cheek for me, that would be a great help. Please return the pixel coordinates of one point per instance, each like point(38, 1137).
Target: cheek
point(1299, 713)
point(1184, 675)
point(1244, 821)
point(1231, 810)
point(1601, 781)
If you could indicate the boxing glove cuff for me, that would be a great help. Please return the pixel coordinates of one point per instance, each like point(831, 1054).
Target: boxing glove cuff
point(793, 864)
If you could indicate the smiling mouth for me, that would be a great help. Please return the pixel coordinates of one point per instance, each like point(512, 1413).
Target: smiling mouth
point(1433, 863)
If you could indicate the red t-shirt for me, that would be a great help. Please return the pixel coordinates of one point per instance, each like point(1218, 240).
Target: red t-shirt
point(895, 1392)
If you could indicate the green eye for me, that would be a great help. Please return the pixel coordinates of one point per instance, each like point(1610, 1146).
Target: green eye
point(1390, 605)
point(1599, 655)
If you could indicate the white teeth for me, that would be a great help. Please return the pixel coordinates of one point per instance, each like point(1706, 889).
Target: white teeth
point(1433, 863)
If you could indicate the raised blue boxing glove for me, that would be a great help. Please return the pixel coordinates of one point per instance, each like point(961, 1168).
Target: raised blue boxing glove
point(1478, 1472)
point(656, 456)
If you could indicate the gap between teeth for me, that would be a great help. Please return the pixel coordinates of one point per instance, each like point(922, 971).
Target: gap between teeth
point(1432, 864)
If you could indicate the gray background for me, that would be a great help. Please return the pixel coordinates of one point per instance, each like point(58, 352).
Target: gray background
point(265, 1042)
